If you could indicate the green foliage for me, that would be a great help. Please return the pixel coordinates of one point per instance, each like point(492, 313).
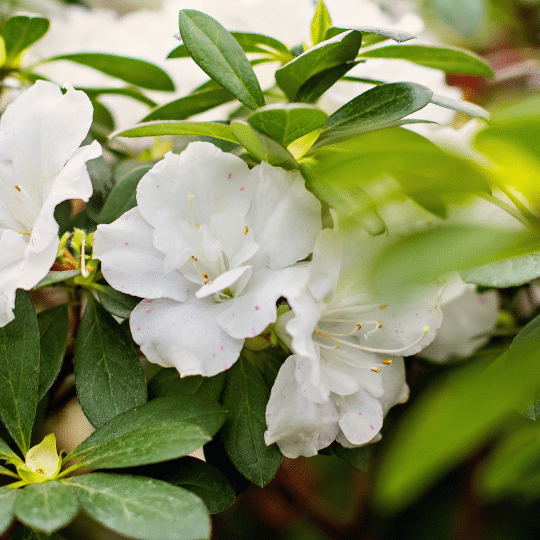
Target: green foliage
point(108, 374)
point(245, 398)
point(26, 533)
point(19, 371)
point(167, 382)
point(116, 302)
point(316, 86)
point(372, 35)
point(462, 106)
point(320, 24)
point(510, 272)
point(20, 32)
point(140, 507)
point(6, 452)
point(219, 55)
point(7, 501)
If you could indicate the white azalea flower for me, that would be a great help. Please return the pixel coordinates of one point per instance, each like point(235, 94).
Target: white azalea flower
point(347, 367)
point(210, 247)
point(41, 165)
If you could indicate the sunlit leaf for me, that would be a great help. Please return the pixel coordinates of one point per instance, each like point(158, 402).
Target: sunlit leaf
point(20, 32)
point(320, 23)
point(172, 127)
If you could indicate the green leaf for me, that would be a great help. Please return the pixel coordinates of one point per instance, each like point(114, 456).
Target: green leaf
point(123, 195)
point(7, 500)
point(320, 24)
point(194, 103)
point(19, 371)
point(445, 59)
point(167, 382)
point(116, 302)
point(56, 277)
point(20, 32)
point(373, 34)
point(463, 16)
point(26, 533)
point(245, 397)
point(287, 122)
point(140, 507)
point(171, 127)
point(358, 458)
point(131, 70)
point(162, 429)
point(204, 480)
point(261, 147)
point(46, 507)
point(6, 452)
point(108, 374)
point(53, 330)
point(454, 418)
point(262, 44)
point(133, 93)
point(220, 56)
point(506, 273)
point(462, 106)
point(333, 52)
point(374, 109)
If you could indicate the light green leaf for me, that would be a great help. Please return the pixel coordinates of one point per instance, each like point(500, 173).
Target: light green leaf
point(374, 109)
point(220, 56)
point(171, 127)
point(245, 397)
point(261, 147)
point(19, 371)
point(142, 508)
point(131, 70)
point(57, 277)
point(162, 429)
point(20, 32)
point(194, 103)
point(320, 24)
point(445, 59)
point(116, 302)
point(462, 106)
point(53, 329)
point(108, 374)
point(262, 44)
point(506, 273)
point(46, 507)
point(333, 52)
point(167, 382)
point(287, 122)
point(7, 500)
point(123, 195)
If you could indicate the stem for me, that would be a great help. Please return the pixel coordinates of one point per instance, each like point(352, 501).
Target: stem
point(69, 470)
point(531, 223)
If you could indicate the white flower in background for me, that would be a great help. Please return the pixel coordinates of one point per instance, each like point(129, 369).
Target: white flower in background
point(41, 165)
point(347, 368)
point(210, 247)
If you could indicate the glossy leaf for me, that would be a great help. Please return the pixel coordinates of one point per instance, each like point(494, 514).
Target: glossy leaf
point(53, 329)
point(108, 374)
point(7, 500)
point(220, 56)
point(123, 195)
point(116, 302)
point(374, 109)
point(19, 371)
point(57, 277)
point(373, 34)
point(333, 52)
point(171, 127)
point(162, 429)
point(320, 24)
point(131, 70)
point(46, 507)
point(167, 382)
point(462, 106)
point(448, 60)
point(20, 32)
point(287, 122)
point(245, 397)
point(140, 507)
point(261, 147)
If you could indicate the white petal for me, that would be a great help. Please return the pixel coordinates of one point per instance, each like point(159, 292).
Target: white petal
point(284, 215)
point(298, 426)
point(131, 263)
point(184, 336)
point(227, 279)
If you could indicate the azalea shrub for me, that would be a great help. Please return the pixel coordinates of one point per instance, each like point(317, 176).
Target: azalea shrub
point(251, 269)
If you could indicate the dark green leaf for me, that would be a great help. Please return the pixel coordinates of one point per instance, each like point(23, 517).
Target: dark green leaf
point(448, 60)
point(20, 32)
point(26, 533)
point(262, 44)
point(133, 93)
point(333, 52)
point(46, 507)
point(171, 127)
point(7, 500)
point(108, 374)
point(462, 106)
point(140, 507)
point(320, 24)
point(187, 106)
point(374, 109)
point(358, 458)
point(245, 397)
point(131, 70)
point(116, 302)
point(53, 330)
point(19, 371)
point(204, 480)
point(122, 196)
point(6, 452)
point(167, 382)
point(261, 147)
point(287, 122)
point(268, 361)
point(162, 429)
point(178, 52)
point(219, 55)
point(103, 120)
point(57, 277)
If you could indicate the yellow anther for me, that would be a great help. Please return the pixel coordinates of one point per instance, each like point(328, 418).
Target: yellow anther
point(376, 369)
point(191, 196)
point(425, 329)
point(358, 325)
point(387, 362)
point(379, 324)
point(337, 347)
point(246, 230)
point(197, 226)
point(17, 187)
point(383, 306)
point(206, 279)
point(193, 257)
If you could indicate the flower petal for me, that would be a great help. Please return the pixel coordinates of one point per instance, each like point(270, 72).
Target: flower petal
point(227, 279)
